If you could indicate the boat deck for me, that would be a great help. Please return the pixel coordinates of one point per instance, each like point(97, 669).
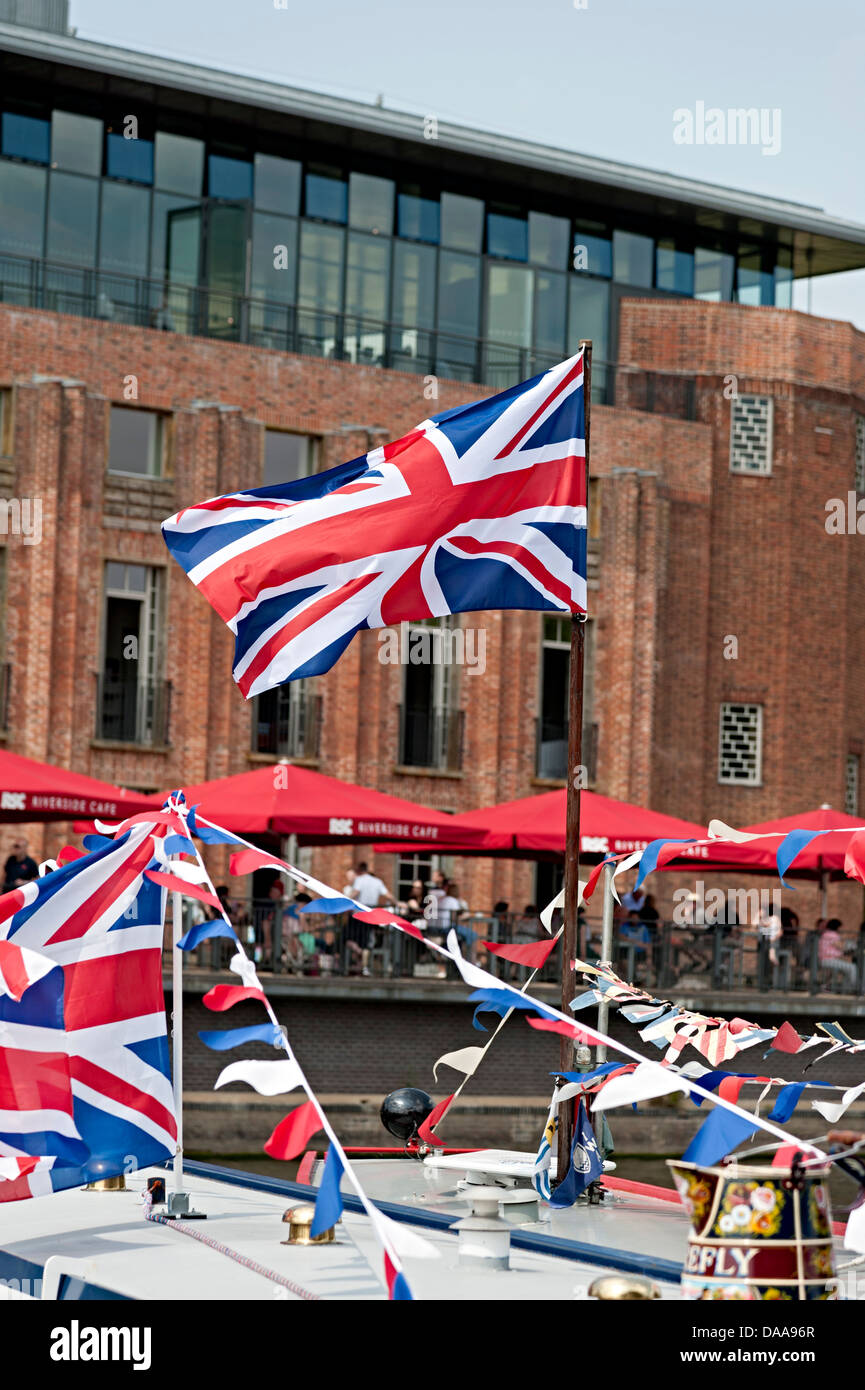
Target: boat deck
point(95, 1244)
point(85, 1245)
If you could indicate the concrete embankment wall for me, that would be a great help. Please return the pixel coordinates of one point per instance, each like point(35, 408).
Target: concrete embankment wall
point(359, 1039)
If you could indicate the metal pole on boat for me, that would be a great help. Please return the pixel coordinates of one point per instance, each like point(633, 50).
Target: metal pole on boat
point(177, 1031)
point(572, 823)
point(177, 1203)
point(606, 954)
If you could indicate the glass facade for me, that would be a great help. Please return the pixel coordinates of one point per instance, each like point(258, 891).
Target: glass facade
point(378, 264)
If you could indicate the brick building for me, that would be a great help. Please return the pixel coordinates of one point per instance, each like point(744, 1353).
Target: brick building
point(151, 354)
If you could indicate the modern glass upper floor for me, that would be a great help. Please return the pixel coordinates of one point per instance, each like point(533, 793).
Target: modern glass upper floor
point(160, 204)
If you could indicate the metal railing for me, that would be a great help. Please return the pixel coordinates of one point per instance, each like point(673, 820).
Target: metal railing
point(198, 310)
point(431, 738)
point(727, 959)
point(667, 958)
point(287, 725)
point(281, 940)
point(133, 711)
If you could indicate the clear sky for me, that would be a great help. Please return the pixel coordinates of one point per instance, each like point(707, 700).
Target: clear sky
point(599, 76)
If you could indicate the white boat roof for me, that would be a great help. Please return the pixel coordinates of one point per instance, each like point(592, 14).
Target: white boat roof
point(102, 1240)
point(80, 1243)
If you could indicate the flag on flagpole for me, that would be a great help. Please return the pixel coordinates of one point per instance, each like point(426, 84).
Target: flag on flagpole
point(84, 1070)
point(479, 507)
point(586, 1163)
point(328, 1203)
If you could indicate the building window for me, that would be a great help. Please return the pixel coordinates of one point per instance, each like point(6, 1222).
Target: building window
point(552, 725)
point(674, 268)
point(755, 276)
point(366, 281)
point(751, 434)
point(135, 441)
point(22, 226)
point(370, 204)
point(551, 308)
point(459, 302)
point(133, 700)
point(740, 746)
point(592, 249)
point(73, 204)
point(713, 275)
point(274, 269)
point(179, 164)
point(409, 868)
point(286, 721)
point(417, 215)
point(589, 317)
point(277, 184)
point(509, 305)
point(128, 159)
point(322, 252)
point(548, 240)
point(859, 465)
point(462, 222)
point(25, 137)
point(326, 194)
point(229, 178)
point(288, 457)
point(633, 257)
point(124, 227)
point(431, 722)
point(851, 785)
point(507, 233)
point(76, 143)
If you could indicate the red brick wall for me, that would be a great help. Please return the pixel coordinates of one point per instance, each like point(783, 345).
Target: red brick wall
point(688, 553)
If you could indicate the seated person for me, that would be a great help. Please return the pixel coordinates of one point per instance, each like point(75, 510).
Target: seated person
point(632, 929)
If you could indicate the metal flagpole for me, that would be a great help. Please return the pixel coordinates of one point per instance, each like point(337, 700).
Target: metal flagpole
point(607, 955)
point(572, 823)
point(177, 1203)
point(177, 1032)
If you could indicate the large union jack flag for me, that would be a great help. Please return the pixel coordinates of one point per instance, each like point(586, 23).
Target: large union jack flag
point(84, 1068)
point(480, 507)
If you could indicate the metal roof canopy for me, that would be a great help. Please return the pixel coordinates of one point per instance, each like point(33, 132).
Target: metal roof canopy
point(821, 244)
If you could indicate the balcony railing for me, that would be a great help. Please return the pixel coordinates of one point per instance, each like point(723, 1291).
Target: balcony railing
point(195, 309)
point(133, 711)
point(551, 760)
point(287, 727)
point(431, 738)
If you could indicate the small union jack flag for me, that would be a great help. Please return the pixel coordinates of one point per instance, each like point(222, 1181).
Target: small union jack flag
point(85, 1088)
point(481, 507)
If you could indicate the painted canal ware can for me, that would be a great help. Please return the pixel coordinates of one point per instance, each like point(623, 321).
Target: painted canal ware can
point(757, 1232)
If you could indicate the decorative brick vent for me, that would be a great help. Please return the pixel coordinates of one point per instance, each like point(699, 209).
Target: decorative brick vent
point(751, 435)
point(740, 750)
point(851, 785)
